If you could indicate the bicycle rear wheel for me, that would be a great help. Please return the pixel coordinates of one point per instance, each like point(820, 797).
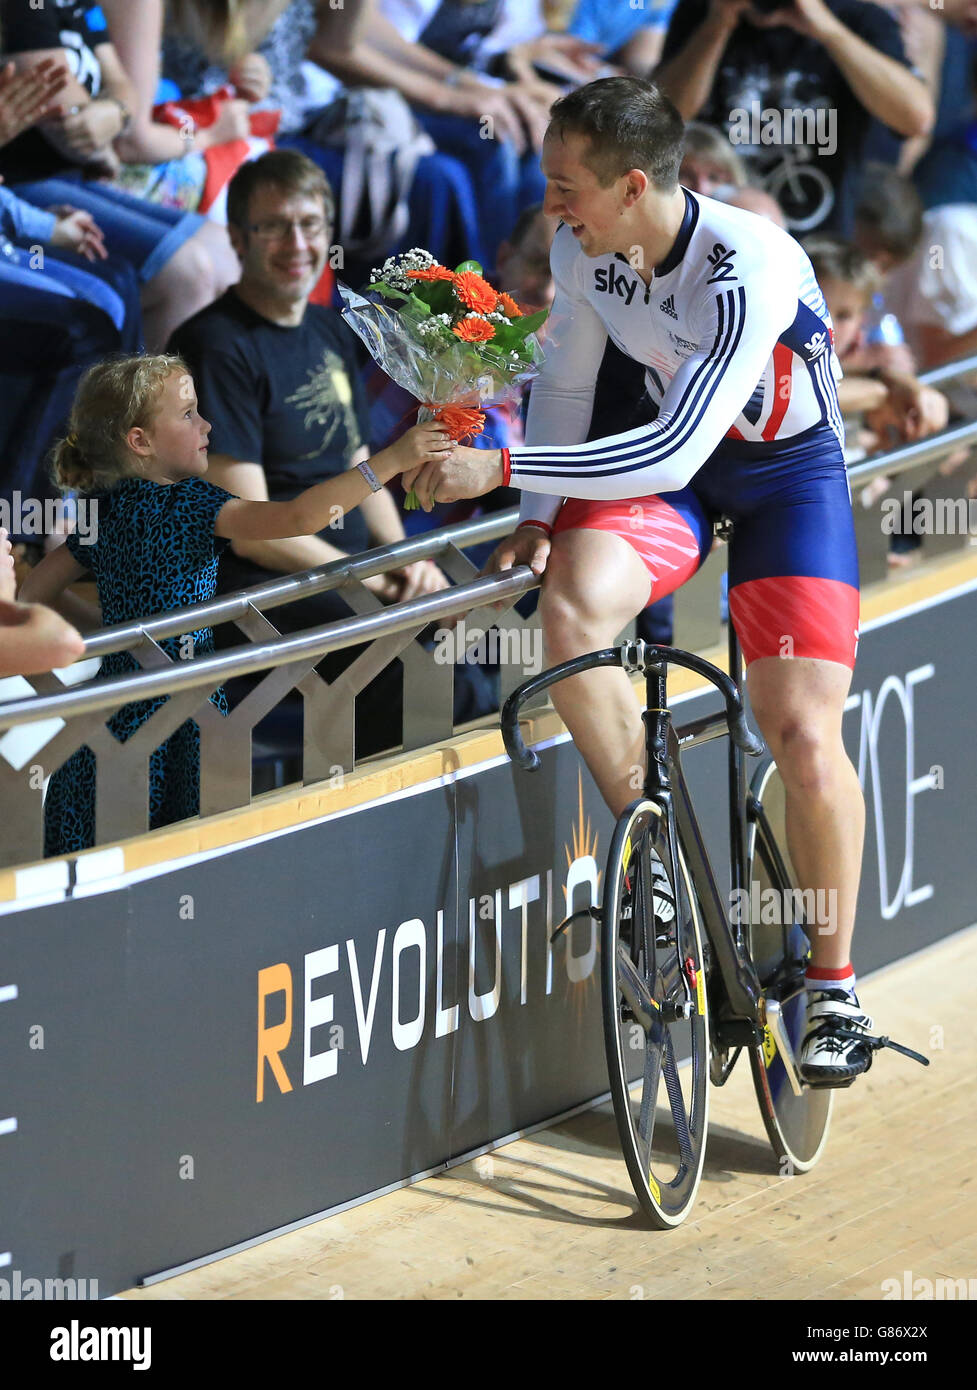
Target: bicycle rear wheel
point(657, 1061)
point(797, 1126)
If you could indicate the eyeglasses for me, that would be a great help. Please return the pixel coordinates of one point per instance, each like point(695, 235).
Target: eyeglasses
point(278, 228)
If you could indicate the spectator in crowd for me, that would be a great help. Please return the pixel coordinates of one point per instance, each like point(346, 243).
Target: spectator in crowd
point(182, 262)
point(304, 44)
point(947, 173)
point(32, 638)
point(167, 163)
point(139, 444)
point(837, 62)
point(429, 51)
point(62, 307)
point(890, 400)
point(278, 378)
point(927, 261)
point(710, 164)
point(630, 36)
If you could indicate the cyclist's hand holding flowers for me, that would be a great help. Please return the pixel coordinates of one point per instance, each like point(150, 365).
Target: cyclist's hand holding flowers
point(467, 473)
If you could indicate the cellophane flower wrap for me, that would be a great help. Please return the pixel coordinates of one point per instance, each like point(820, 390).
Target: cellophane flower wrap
point(446, 336)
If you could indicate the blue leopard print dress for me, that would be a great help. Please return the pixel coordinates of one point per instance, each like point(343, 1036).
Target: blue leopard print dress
point(155, 550)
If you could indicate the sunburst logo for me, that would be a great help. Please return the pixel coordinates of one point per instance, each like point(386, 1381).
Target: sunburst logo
point(584, 838)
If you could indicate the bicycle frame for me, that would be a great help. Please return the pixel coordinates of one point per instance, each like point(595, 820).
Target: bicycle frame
point(740, 1022)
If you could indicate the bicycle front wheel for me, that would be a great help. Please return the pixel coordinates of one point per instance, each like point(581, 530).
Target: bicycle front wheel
point(656, 1026)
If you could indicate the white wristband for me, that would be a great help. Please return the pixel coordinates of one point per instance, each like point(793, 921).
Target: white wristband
point(371, 477)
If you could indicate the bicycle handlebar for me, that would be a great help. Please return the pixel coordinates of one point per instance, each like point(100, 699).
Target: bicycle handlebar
point(633, 656)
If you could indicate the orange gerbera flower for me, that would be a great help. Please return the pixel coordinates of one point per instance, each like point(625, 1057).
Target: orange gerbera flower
point(477, 293)
point(473, 330)
point(509, 306)
point(434, 272)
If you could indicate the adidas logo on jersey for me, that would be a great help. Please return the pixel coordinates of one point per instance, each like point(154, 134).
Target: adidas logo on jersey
point(817, 344)
point(667, 306)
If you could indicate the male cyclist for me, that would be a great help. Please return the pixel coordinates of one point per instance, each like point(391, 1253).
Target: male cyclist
point(723, 310)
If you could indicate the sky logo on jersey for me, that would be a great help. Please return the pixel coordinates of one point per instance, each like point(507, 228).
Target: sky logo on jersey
point(612, 283)
point(722, 261)
point(815, 345)
point(667, 306)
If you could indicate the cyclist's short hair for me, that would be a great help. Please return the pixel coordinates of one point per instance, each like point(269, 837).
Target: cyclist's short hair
point(834, 259)
point(287, 170)
point(889, 214)
point(630, 124)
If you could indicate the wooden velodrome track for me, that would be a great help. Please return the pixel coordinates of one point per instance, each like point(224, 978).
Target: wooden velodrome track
point(552, 1216)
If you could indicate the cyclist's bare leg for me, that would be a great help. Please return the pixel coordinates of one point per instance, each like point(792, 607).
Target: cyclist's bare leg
point(595, 584)
point(798, 705)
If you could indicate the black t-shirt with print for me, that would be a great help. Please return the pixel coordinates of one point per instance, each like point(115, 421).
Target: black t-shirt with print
point(779, 69)
point(288, 398)
point(78, 28)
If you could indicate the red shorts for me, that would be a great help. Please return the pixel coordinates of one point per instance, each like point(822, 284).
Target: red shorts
point(775, 613)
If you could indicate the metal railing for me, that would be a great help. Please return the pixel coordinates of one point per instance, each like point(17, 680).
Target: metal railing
point(289, 661)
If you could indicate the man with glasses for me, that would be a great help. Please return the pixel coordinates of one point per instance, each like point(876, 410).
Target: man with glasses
point(278, 379)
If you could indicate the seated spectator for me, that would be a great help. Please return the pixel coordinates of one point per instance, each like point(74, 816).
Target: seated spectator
point(182, 262)
point(839, 61)
point(138, 444)
point(630, 36)
point(891, 401)
point(199, 45)
point(927, 260)
point(62, 311)
point(278, 377)
point(710, 164)
point(754, 200)
point(33, 638)
point(185, 165)
point(429, 53)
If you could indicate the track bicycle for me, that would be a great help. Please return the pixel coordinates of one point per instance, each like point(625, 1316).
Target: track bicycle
point(687, 984)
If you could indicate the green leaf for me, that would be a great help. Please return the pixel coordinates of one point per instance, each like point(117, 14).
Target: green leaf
point(530, 322)
point(418, 304)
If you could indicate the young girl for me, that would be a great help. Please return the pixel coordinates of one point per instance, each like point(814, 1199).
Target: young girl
point(138, 443)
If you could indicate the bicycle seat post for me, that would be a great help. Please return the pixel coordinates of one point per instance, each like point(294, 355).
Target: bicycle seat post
point(655, 717)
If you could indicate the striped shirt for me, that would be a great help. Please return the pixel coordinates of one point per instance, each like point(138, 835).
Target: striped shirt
point(735, 339)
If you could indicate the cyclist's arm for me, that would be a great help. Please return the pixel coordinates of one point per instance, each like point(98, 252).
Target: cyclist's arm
point(739, 329)
point(562, 400)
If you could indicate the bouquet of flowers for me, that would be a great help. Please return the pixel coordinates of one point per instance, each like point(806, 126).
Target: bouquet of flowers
point(447, 337)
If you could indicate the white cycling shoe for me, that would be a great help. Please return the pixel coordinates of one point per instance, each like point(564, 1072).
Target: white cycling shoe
point(836, 1045)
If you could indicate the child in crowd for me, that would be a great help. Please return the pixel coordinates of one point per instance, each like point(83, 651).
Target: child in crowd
point(896, 406)
point(138, 443)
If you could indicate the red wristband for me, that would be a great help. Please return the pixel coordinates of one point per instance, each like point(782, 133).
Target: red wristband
point(506, 467)
point(541, 524)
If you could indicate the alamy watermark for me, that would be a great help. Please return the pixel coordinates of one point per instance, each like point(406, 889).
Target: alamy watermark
point(21, 1288)
point(50, 516)
point(768, 125)
point(940, 1289)
point(929, 516)
point(477, 646)
point(775, 907)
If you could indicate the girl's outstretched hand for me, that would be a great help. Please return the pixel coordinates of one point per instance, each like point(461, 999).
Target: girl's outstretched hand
point(426, 443)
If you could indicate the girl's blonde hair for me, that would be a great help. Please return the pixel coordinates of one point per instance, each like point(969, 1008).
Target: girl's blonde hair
point(112, 398)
